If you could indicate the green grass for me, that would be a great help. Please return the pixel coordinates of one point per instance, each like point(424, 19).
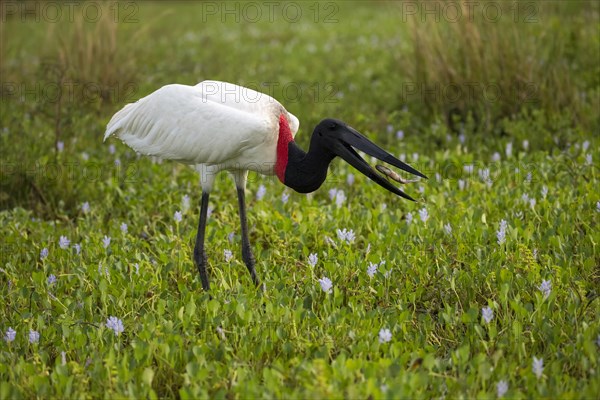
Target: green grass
point(296, 341)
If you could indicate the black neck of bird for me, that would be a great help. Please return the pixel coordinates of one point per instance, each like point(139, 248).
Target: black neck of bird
point(306, 172)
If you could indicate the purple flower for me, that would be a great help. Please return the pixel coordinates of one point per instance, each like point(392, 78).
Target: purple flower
point(385, 335)
point(10, 335)
point(177, 216)
point(115, 324)
point(285, 197)
point(350, 179)
point(60, 146)
point(313, 259)
point(448, 228)
point(538, 367)
point(508, 151)
point(106, 241)
point(34, 336)
point(227, 254)
point(585, 145)
point(326, 284)
point(372, 269)
point(51, 280)
point(409, 218)
point(124, 228)
point(332, 193)
point(44, 253)
point(545, 287)
point(64, 243)
point(346, 235)
point(488, 314)
point(501, 388)
point(400, 134)
point(532, 202)
point(185, 203)
point(260, 193)
point(423, 214)
point(77, 248)
point(112, 149)
point(340, 197)
point(501, 233)
point(85, 207)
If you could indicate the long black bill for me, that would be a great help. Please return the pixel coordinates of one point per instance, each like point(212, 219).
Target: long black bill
point(351, 139)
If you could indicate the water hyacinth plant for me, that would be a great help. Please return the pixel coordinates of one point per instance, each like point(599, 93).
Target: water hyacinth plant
point(10, 335)
point(260, 193)
point(495, 263)
point(115, 324)
point(34, 336)
point(385, 335)
point(501, 388)
point(487, 314)
point(313, 259)
point(346, 235)
point(326, 284)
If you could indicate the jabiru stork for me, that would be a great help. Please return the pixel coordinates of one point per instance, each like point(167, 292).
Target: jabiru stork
point(215, 126)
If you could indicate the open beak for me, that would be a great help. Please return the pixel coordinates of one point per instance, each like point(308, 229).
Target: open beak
point(350, 139)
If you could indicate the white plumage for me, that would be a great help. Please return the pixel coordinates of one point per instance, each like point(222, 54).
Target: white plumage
point(214, 126)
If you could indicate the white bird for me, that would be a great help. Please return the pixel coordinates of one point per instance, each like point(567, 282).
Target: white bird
point(216, 126)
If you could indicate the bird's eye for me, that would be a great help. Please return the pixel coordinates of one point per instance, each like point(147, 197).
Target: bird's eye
point(333, 125)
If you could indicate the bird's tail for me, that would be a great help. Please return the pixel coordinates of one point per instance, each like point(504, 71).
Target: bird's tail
point(118, 120)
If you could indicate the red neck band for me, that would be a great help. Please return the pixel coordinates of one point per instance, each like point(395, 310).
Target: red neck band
point(285, 137)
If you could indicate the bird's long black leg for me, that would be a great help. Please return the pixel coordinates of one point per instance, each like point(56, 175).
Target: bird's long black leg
point(199, 254)
point(246, 251)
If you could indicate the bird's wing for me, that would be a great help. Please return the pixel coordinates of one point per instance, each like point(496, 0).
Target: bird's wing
point(245, 99)
point(181, 123)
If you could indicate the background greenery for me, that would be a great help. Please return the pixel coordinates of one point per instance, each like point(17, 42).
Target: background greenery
point(530, 133)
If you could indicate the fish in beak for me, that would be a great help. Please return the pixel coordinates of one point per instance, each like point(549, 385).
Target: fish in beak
point(344, 141)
